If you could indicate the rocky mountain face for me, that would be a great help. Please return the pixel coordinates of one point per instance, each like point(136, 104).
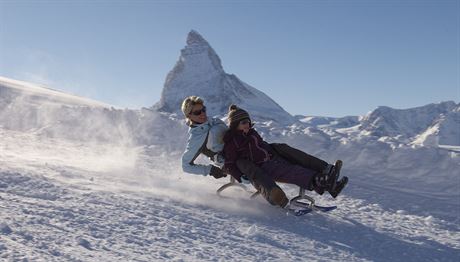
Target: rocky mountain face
point(199, 72)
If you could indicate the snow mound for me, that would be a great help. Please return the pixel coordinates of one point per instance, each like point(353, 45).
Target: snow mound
point(13, 89)
point(52, 114)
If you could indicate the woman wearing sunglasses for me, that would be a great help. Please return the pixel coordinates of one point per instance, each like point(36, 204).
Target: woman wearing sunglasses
point(205, 137)
point(274, 162)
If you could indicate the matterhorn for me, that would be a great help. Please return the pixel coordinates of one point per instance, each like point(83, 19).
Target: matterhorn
point(199, 72)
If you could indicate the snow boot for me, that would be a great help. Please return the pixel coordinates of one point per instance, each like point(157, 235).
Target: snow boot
point(335, 173)
point(277, 197)
point(337, 168)
point(328, 178)
point(340, 185)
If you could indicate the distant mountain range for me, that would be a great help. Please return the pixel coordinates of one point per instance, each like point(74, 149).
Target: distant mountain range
point(199, 71)
point(429, 125)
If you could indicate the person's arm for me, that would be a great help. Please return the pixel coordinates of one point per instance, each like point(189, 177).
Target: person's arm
point(216, 135)
point(265, 146)
point(189, 156)
point(231, 155)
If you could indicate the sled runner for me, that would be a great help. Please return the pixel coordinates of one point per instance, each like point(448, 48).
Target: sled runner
point(231, 184)
point(303, 204)
point(299, 205)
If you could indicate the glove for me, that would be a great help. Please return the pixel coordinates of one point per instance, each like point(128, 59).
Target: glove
point(218, 160)
point(217, 172)
point(245, 180)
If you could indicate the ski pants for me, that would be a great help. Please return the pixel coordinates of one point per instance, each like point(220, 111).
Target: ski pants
point(261, 181)
point(298, 157)
point(289, 165)
point(281, 170)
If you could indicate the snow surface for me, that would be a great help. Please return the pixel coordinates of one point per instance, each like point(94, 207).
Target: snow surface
point(75, 201)
point(120, 195)
point(80, 181)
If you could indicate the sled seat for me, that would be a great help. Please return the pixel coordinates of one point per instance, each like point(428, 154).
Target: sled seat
point(300, 200)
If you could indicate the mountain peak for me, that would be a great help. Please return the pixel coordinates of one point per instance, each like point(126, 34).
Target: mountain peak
point(194, 38)
point(199, 72)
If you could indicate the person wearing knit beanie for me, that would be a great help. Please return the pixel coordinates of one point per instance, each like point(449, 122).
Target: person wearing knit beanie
point(279, 162)
point(235, 115)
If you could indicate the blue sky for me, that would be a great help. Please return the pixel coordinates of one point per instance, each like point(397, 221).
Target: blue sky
point(328, 58)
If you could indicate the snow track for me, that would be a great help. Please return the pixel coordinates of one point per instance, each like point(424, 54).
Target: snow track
point(47, 220)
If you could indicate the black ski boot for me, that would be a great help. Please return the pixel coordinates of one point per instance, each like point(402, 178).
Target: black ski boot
point(340, 185)
point(335, 173)
point(327, 180)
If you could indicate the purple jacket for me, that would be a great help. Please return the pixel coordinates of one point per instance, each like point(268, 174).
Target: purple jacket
point(248, 146)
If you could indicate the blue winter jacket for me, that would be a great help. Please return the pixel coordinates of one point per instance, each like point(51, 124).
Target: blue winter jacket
point(197, 136)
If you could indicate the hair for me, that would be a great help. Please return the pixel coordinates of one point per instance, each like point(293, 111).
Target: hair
point(187, 106)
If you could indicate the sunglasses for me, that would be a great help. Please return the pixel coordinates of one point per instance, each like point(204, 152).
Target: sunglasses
point(245, 121)
point(198, 112)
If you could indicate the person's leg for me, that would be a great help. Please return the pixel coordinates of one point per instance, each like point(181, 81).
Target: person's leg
point(327, 174)
point(263, 183)
point(282, 171)
point(298, 157)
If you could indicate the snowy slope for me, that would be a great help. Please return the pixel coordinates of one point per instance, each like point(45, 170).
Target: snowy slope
point(199, 72)
point(81, 199)
point(11, 89)
point(48, 113)
point(69, 201)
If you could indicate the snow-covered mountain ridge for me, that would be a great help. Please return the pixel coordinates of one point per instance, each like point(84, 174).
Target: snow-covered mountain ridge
point(430, 125)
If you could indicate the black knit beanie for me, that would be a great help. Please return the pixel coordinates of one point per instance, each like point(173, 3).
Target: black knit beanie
point(235, 115)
